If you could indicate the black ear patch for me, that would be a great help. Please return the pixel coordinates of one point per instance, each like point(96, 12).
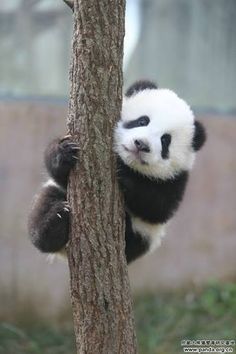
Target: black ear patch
point(140, 86)
point(199, 137)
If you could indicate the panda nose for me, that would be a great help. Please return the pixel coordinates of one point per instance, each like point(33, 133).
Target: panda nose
point(141, 146)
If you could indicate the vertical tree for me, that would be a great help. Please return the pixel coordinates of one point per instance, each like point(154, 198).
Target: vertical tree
point(100, 288)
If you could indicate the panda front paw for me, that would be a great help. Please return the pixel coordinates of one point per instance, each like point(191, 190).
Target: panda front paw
point(60, 157)
point(64, 151)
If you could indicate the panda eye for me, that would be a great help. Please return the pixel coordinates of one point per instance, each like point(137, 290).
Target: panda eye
point(165, 142)
point(166, 139)
point(139, 122)
point(143, 121)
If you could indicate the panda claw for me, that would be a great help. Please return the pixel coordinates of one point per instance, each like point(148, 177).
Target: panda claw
point(66, 209)
point(66, 137)
point(75, 157)
point(59, 215)
point(73, 146)
point(66, 205)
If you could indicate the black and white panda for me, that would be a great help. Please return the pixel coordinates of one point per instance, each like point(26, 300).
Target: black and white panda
point(156, 141)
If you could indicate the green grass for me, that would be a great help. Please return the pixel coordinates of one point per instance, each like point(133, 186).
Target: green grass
point(38, 339)
point(162, 320)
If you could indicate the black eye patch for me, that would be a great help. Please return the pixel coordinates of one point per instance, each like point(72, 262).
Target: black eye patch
point(165, 142)
point(139, 122)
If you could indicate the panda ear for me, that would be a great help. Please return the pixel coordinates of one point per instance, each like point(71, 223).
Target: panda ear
point(199, 137)
point(140, 86)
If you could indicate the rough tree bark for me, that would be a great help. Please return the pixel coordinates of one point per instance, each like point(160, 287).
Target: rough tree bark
point(100, 288)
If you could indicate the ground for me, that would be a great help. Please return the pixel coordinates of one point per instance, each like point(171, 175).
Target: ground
point(162, 321)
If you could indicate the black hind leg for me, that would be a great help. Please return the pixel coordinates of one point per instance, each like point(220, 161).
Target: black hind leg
point(49, 219)
point(136, 244)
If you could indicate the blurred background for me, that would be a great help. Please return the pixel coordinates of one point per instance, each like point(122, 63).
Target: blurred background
point(186, 289)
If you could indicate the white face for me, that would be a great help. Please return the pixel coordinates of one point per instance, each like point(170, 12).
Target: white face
point(154, 135)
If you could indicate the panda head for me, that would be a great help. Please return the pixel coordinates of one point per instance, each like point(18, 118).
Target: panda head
point(157, 134)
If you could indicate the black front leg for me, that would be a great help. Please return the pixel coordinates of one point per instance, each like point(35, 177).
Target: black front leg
point(136, 244)
point(60, 157)
point(49, 219)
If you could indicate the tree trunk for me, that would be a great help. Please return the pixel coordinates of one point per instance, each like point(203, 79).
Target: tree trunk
point(100, 288)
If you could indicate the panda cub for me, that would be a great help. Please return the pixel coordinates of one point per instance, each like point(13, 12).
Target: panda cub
point(156, 141)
